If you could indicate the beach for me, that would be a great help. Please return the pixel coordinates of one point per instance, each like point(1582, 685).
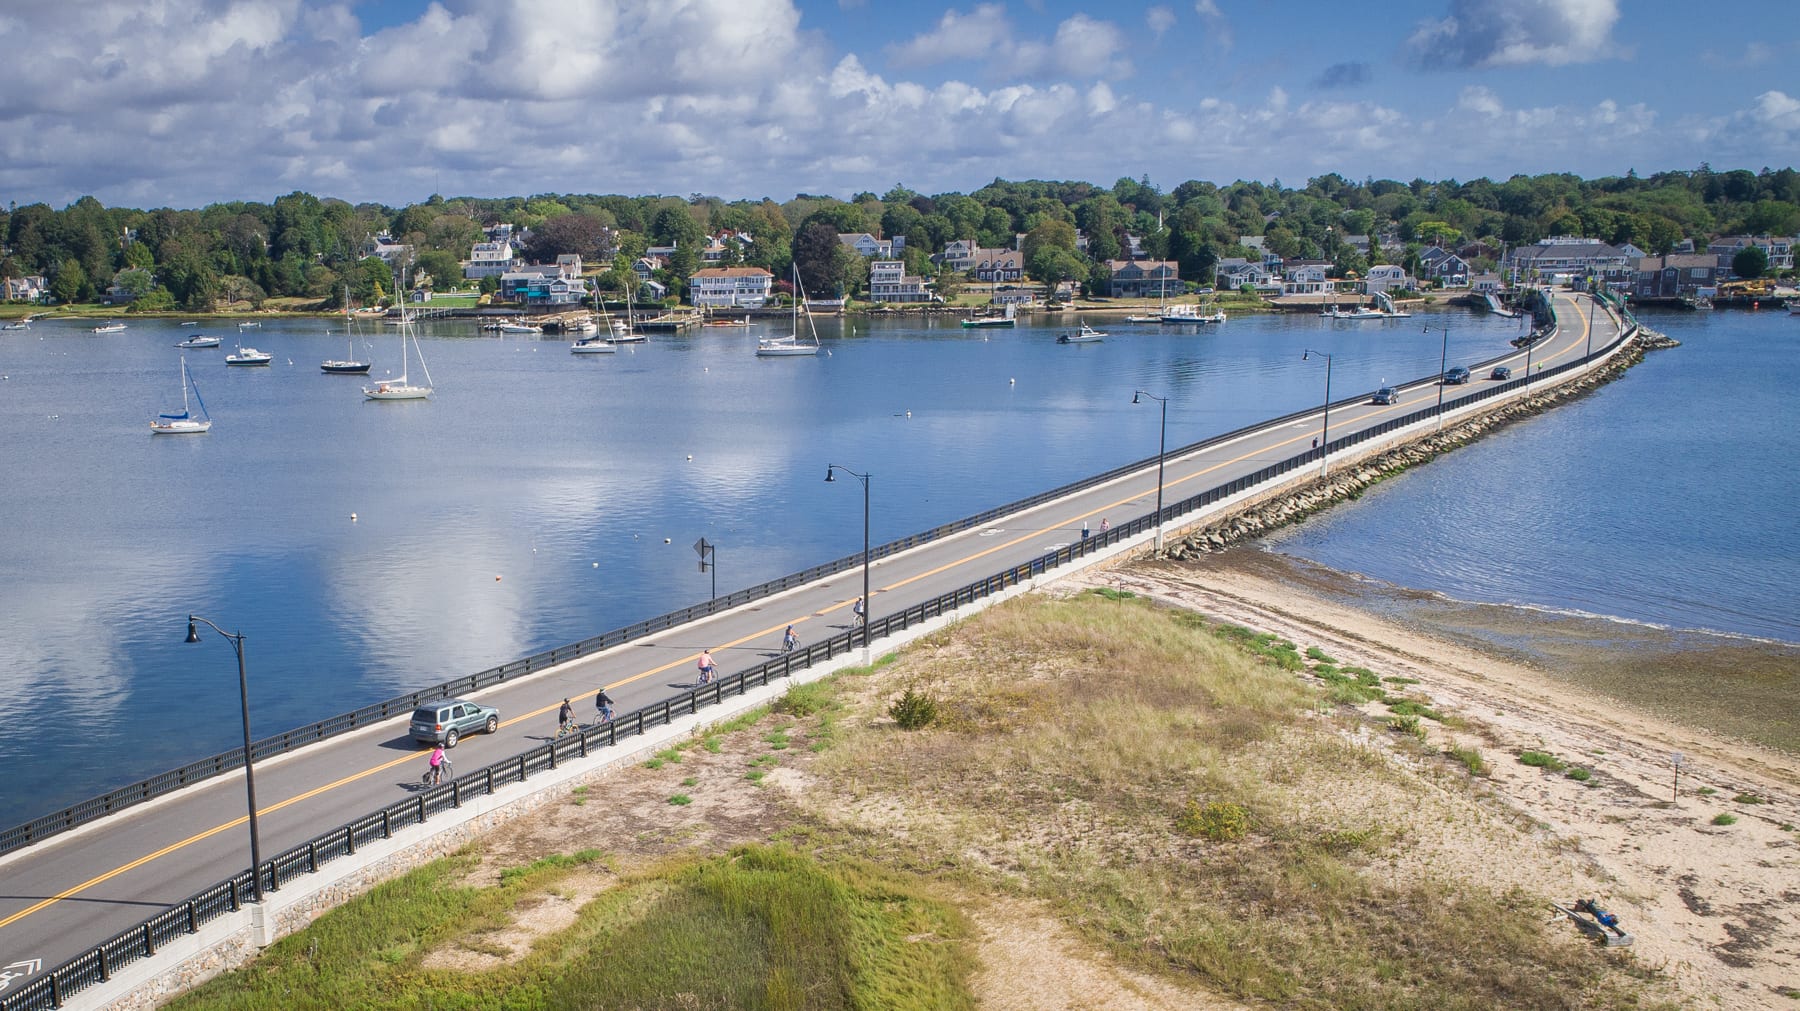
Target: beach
point(1711, 905)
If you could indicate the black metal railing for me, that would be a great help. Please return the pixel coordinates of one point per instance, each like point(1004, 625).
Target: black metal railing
point(97, 964)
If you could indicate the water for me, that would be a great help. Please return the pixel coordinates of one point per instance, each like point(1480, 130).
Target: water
point(526, 505)
point(1664, 498)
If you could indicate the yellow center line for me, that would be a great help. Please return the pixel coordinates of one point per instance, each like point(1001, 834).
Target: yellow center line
point(326, 788)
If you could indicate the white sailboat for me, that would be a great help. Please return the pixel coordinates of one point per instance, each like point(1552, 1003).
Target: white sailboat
point(349, 365)
point(403, 388)
point(183, 422)
point(625, 331)
point(596, 343)
point(791, 345)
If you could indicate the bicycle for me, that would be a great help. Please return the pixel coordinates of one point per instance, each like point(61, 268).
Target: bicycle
point(790, 643)
point(567, 728)
point(434, 775)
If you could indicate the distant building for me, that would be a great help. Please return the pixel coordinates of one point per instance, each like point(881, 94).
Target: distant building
point(1726, 247)
point(716, 245)
point(391, 252)
point(997, 265)
point(889, 282)
point(959, 255)
point(1142, 278)
point(737, 287)
point(869, 247)
point(1441, 265)
point(1306, 277)
point(1568, 257)
point(493, 256)
point(26, 289)
point(544, 285)
point(1386, 277)
point(1677, 275)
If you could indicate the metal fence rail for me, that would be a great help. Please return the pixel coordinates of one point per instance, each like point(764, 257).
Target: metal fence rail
point(97, 964)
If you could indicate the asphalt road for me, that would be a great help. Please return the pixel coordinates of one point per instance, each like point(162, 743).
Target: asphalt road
point(74, 891)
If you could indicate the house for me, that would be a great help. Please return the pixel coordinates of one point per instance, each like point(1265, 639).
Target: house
point(26, 289)
point(1306, 277)
point(1486, 284)
point(1677, 275)
point(959, 255)
point(716, 245)
point(391, 252)
point(1142, 278)
point(1779, 251)
point(1360, 243)
point(996, 265)
point(652, 291)
point(645, 266)
point(868, 246)
point(1566, 257)
point(544, 284)
point(1386, 277)
point(738, 287)
point(889, 282)
point(1441, 265)
point(1235, 272)
point(493, 256)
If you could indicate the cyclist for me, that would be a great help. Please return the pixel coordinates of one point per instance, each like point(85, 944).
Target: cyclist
point(856, 612)
point(565, 719)
point(789, 640)
point(438, 763)
point(604, 703)
point(706, 666)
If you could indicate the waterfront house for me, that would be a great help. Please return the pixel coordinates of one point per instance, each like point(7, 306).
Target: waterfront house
point(532, 283)
point(1677, 275)
point(26, 289)
point(889, 282)
point(869, 247)
point(998, 265)
point(547, 293)
point(1143, 278)
point(1386, 277)
point(1567, 257)
point(1235, 272)
point(959, 255)
point(736, 287)
point(716, 245)
point(1486, 284)
point(1441, 265)
point(1780, 251)
point(1306, 277)
point(493, 256)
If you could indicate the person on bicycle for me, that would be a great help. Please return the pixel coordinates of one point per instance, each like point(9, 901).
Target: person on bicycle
point(789, 640)
point(565, 719)
point(438, 761)
point(604, 703)
point(856, 610)
point(706, 666)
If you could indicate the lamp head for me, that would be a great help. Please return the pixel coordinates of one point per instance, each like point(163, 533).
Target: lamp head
point(1305, 355)
point(193, 633)
point(828, 473)
point(1134, 396)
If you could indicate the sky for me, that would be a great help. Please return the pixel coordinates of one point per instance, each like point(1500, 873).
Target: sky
point(183, 103)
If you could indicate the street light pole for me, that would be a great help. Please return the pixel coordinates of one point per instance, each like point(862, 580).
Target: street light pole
point(1325, 434)
point(1592, 301)
point(1162, 442)
point(1443, 364)
point(868, 604)
point(237, 645)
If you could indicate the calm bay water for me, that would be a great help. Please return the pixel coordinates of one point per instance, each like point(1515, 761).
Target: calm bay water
point(527, 503)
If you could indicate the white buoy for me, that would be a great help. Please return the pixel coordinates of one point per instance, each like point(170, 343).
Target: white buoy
point(690, 457)
point(596, 565)
point(909, 414)
point(665, 540)
point(353, 517)
point(1012, 382)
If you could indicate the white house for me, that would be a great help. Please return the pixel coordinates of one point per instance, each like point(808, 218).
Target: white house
point(868, 246)
point(889, 282)
point(1386, 277)
point(1306, 277)
point(493, 256)
point(959, 255)
point(740, 287)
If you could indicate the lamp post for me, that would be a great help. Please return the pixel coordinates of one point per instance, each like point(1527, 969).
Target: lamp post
point(237, 645)
point(1325, 434)
point(868, 605)
point(1162, 442)
point(1443, 364)
point(1592, 301)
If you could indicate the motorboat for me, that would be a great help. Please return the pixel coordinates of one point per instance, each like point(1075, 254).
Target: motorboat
point(1007, 319)
point(1086, 335)
point(249, 324)
point(200, 340)
point(592, 346)
point(110, 328)
point(248, 356)
point(520, 328)
point(1182, 315)
point(185, 421)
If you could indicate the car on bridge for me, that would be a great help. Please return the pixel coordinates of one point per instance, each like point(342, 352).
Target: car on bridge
point(1501, 373)
point(1456, 376)
point(1385, 395)
point(447, 720)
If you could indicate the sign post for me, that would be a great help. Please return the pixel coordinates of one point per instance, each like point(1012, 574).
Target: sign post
point(709, 562)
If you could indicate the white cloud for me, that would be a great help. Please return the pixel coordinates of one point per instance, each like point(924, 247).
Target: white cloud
point(1503, 33)
point(983, 39)
point(1159, 20)
point(1777, 111)
point(1217, 27)
point(972, 36)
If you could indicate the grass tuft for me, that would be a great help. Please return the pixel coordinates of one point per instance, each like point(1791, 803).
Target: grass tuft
point(1724, 818)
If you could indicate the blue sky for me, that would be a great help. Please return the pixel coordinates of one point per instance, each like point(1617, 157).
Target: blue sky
point(187, 102)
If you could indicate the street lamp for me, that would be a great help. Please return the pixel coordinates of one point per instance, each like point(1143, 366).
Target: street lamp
point(1162, 441)
point(237, 644)
point(1325, 434)
point(868, 604)
point(1443, 364)
point(1592, 301)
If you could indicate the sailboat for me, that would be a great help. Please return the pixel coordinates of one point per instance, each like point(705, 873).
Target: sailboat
point(183, 422)
point(626, 332)
point(596, 343)
point(791, 345)
point(347, 365)
point(402, 388)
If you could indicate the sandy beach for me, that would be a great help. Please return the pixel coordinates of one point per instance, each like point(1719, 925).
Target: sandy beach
point(1713, 906)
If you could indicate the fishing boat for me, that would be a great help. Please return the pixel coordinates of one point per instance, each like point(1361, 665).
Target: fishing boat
point(185, 421)
point(199, 340)
point(791, 346)
point(402, 388)
point(110, 328)
point(1006, 319)
point(1086, 335)
point(248, 356)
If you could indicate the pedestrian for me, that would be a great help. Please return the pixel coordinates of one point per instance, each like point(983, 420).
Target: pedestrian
point(1315, 442)
point(706, 666)
point(604, 703)
point(1084, 530)
point(1104, 526)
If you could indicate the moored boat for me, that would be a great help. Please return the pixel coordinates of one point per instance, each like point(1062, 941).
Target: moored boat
point(1085, 335)
point(185, 421)
point(248, 356)
point(110, 328)
point(199, 340)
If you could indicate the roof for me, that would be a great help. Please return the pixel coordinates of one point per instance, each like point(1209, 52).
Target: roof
point(732, 272)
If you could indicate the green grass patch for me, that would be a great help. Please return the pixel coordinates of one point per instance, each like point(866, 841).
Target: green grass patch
point(1396, 679)
point(681, 800)
point(777, 738)
point(1218, 821)
point(1470, 758)
point(1579, 775)
point(1724, 818)
point(1315, 653)
point(1110, 593)
point(1542, 760)
point(712, 743)
point(756, 775)
point(803, 700)
point(1748, 798)
point(1705, 791)
point(1413, 707)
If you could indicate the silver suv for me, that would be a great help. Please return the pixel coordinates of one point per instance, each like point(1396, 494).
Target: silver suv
point(447, 720)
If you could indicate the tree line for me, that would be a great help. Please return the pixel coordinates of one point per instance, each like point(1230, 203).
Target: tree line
point(312, 247)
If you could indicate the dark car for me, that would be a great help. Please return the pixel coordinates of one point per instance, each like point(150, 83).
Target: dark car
point(1386, 395)
point(1501, 373)
point(447, 720)
point(1457, 376)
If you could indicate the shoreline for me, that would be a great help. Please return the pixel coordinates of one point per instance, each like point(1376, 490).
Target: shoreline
point(1711, 901)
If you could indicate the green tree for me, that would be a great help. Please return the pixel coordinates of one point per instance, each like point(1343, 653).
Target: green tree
point(70, 283)
point(1750, 261)
point(134, 281)
point(442, 266)
point(821, 259)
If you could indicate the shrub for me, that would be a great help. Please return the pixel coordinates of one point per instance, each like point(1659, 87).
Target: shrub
point(1542, 760)
point(1579, 774)
point(1407, 725)
point(913, 710)
point(1471, 759)
point(803, 700)
point(1219, 821)
point(681, 800)
point(1724, 818)
point(1748, 798)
